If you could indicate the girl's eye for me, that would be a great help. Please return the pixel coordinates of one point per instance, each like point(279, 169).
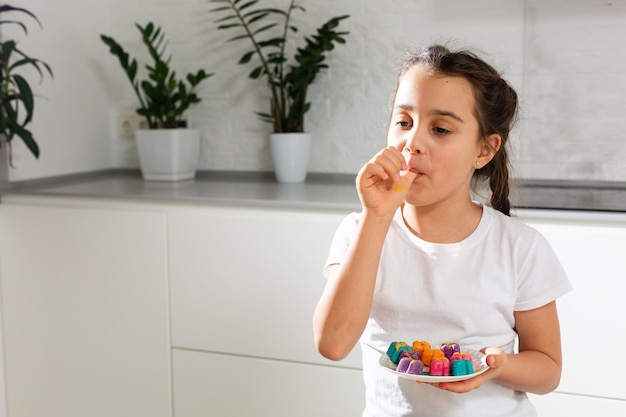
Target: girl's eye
point(441, 131)
point(402, 123)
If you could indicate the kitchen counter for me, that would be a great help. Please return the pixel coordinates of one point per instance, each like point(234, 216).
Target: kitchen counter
point(321, 191)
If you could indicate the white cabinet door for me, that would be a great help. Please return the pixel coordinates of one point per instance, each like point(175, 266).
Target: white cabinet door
point(84, 306)
point(557, 404)
point(208, 384)
point(592, 315)
point(246, 281)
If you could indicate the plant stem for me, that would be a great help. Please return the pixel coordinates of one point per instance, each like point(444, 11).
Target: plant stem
point(251, 36)
point(279, 95)
point(283, 94)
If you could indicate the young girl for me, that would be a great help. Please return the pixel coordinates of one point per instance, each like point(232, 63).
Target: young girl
point(422, 261)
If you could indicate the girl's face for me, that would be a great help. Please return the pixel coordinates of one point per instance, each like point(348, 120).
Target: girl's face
point(434, 126)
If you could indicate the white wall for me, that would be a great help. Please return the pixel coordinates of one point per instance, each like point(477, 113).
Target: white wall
point(565, 57)
point(575, 89)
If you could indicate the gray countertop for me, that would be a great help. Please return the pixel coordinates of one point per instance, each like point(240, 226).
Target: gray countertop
point(321, 191)
point(261, 189)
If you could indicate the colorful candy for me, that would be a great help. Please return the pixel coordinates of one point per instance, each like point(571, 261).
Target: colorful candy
point(394, 350)
point(440, 366)
point(410, 366)
point(450, 348)
point(420, 358)
point(461, 364)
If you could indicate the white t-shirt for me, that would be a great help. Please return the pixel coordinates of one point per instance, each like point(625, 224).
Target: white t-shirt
point(463, 292)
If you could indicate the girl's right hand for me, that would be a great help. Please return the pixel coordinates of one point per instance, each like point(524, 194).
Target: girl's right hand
point(383, 182)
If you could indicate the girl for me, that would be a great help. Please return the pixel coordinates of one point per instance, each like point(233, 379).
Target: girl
point(422, 261)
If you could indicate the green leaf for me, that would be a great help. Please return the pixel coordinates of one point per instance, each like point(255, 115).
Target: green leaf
point(231, 25)
point(7, 49)
point(25, 95)
point(225, 18)
point(264, 28)
point(245, 35)
point(7, 8)
point(256, 73)
point(27, 138)
point(221, 9)
point(248, 4)
point(15, 22)
point(132, 71)
point(257, 17)
point(247, 57)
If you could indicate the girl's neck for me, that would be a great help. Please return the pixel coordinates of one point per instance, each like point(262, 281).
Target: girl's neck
point(442, 225)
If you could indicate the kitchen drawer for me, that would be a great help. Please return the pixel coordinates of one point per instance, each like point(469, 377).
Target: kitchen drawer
point(246, 281)
point(558, 404)
point(207, 384)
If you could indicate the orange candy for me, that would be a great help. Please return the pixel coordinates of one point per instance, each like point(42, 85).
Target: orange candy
point(430, 354)
point(420, 346)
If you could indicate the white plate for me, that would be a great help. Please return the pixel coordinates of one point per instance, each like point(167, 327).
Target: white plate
point(479, 361)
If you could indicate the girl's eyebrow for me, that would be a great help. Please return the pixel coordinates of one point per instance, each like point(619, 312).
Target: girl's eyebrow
point(447, 113)
point(435, 112)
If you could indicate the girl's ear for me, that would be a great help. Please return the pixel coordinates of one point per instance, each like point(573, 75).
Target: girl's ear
point(488, 149)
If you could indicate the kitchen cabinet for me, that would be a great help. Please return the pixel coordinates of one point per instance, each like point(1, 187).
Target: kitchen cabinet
point(129, 308)
point(214, 384)
point(561, 404)
point(244, 283)
point(592, 252)
point(85, 312)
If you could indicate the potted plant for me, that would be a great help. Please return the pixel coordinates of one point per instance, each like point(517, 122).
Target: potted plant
point(287, 79)
point(168, 149)
point(17, 104)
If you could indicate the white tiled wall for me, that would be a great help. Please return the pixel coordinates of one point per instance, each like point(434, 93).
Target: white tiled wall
point(349, 115)
point(575, 89)
point(566, 58)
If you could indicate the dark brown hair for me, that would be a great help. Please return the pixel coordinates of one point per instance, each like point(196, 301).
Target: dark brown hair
point(496, 108)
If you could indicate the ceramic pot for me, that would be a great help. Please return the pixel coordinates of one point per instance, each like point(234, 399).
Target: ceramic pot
point(168, 154)
point(290, 155)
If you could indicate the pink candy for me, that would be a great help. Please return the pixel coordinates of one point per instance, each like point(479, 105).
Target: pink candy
point(440, 367)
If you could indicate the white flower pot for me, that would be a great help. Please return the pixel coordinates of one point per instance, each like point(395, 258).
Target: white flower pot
point(290, 155)
point(168, 154)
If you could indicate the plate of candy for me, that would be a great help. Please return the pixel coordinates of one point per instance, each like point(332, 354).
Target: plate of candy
point(420, 362)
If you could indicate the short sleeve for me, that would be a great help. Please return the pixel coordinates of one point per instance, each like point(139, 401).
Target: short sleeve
point(542, 278)
point(341, 241)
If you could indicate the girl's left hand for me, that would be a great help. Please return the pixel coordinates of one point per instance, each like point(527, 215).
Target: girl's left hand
point(496, 359)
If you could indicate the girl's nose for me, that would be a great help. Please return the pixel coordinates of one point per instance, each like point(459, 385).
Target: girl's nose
point(414, 144)
point(412, 149)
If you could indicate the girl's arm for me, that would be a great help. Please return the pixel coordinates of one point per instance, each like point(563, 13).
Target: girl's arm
point(537, 366)
point(343, 310)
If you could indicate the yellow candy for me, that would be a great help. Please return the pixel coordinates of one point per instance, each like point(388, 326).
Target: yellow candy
point(398, 188)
